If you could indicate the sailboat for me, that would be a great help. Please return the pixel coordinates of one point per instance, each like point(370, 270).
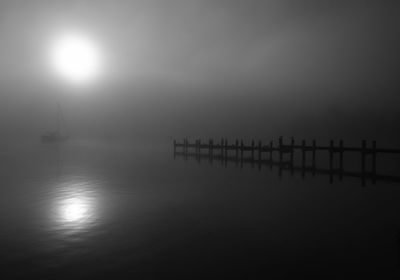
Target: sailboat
point(58, 135)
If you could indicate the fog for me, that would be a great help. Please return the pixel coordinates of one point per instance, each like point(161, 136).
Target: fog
point(92, 186)
point(315, 69)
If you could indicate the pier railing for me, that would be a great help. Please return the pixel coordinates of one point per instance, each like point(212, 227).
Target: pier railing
point(266, 153)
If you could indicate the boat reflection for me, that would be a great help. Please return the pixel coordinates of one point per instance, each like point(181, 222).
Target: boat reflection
point(75, 206)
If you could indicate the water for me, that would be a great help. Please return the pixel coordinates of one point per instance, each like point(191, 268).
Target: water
point(91, 210)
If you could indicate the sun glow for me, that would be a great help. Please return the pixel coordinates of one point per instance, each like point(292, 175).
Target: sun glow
point(75, 57)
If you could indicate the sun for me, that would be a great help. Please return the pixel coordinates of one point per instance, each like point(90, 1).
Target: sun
point(75, 57)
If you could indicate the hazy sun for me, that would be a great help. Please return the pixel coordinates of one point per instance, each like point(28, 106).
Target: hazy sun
point(75, 57)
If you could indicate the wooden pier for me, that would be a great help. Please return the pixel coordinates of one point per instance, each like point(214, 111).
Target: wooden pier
point(282, 155)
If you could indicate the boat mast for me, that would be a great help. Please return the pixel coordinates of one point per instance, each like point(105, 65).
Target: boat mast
point(58, 118)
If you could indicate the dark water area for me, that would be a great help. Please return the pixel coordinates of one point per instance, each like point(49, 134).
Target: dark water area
point(86, 210)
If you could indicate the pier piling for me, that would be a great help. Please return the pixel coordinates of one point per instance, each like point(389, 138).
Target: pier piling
point(367, 153)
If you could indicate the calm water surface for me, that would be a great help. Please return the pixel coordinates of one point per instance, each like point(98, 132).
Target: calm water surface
point(91, 210)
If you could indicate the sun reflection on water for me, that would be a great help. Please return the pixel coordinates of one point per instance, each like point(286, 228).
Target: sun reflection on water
point(76, 206)
point(74, 209)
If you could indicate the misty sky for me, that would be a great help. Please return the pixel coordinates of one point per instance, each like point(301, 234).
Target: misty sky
point(208, 68)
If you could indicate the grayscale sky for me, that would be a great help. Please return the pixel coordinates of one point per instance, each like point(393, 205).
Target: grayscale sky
point(312, 69)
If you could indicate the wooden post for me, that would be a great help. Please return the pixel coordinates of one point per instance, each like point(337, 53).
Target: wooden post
point(292, 153)
point(259, 155)
point(271, 146)
point(185, 147)
point(241, 153)
point(211, 147)
point(363, 153)
point(226, 149)
point(303, 157)
point(303, 152)
point(226, 152)
point(211, 150)
point(241, 149)
point(341, 151)
point(222, 150)
point(237, 149)
point(292, 156)
point(331, 155)
point(252, 150)
point(373, 171)
point(222, 147)
point(199, 147)
point(280, 156)
point(314, 148)
point(331, 161)
point(236, 152)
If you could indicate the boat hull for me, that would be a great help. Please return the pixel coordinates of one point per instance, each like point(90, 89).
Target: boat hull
point(53, 138)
